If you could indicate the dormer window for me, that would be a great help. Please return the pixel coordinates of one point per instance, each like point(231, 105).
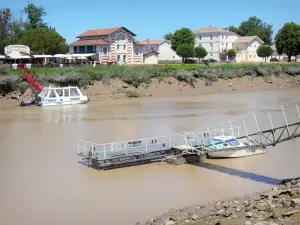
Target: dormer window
point(121, 37)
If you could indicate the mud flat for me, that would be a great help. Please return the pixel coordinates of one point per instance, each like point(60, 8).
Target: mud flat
point(278, 205)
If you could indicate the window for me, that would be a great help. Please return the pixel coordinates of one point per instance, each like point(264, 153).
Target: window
point(210, 37)
point(152, 49)
point(124, 58)
point(210, 54)
point(118, 47)
point(75, 49)
point(52, 94)
point(85, 48)
point(74, 92)
point(59, 92)
point(104, 50)
point(250, 46)
point(124, 47)
point(66, 93)
point(222, 36)
point(233, 142)
point(136, 51)
point(121, 37)
point(94, 48)
point(118, 58)
point(200, 37)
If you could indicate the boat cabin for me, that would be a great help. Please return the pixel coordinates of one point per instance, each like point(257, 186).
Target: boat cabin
point(63, 92)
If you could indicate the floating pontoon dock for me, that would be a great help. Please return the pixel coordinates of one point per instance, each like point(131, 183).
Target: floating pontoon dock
point(259, 129)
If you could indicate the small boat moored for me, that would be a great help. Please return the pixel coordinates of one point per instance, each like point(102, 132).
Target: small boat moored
point(51, 96)
point(230, 147)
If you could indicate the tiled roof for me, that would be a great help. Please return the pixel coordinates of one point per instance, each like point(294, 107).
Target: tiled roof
point(89, 42)
point(245, 39)
point(150, 42)
point(212, 30)
point(147, 52)
point(100, 32)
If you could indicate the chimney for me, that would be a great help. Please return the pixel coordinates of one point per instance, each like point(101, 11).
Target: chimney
point(148, 41)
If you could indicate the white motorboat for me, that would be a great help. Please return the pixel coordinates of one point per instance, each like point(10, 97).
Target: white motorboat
point(51, 96)
point(230, 147)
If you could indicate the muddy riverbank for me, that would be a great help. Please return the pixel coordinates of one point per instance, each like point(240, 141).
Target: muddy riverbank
point(170, 87)
point(278, 205)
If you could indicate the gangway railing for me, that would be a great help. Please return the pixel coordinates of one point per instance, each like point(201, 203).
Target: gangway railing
point(265, 127)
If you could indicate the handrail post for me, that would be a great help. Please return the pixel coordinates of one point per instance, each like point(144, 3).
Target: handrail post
point(286, 123)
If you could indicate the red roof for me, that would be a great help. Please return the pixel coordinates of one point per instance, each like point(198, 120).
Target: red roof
point(101, 32)
point(89, 42)
point(247, 39)
point(147, 52)
point(148, 42)
point(212, 30)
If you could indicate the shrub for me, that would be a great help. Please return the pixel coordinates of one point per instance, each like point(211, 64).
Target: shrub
point(8, 83)
point(23, 86)
point(208, 82)
point(131, 93)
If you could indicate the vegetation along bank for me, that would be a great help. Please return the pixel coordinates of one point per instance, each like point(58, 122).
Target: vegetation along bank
point(13, 80)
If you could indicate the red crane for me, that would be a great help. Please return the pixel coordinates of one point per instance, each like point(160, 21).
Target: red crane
point(32, 81)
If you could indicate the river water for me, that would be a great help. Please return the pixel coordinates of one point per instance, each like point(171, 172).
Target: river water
point(41, 181)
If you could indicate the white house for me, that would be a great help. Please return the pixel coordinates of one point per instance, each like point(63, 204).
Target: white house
point(163, 47)
point(246, 48)
point(215, 40)
point(166, 52)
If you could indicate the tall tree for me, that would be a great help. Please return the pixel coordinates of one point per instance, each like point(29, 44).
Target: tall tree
point(168, 36)
point(200, 52)
point(254, 26)
point(5, 19)
point(185, 51)
point(35, 16)
point(264, 51)
point(44, 41)
point(287, 40)
point(182, 36)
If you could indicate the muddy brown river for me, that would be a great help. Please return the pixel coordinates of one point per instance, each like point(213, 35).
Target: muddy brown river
point(42, 183)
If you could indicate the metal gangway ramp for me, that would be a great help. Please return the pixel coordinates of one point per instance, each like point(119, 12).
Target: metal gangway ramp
point(267, 127)
point(259, 129)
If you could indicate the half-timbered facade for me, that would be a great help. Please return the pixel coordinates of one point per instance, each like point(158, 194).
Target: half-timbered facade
point(112, 45)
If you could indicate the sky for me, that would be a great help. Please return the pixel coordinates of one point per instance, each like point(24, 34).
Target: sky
point(153, 19)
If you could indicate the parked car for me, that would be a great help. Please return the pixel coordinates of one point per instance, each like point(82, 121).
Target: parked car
point(274, 60)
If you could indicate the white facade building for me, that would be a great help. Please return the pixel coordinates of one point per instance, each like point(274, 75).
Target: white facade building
point(246, 47)
point(215, 40)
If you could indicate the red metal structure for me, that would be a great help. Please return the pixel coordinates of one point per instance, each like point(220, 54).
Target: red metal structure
point(33, 82)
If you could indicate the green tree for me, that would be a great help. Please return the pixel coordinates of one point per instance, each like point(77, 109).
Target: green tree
point(264, 51)
point(5, 19)
point(35, 16)
point(231, 53)
point(182, 36)
point(254, 26)
point(44, 41)
point(235, 30)
point(287, 40)
point(200, 52)
point(185, 51)
point(168, 36)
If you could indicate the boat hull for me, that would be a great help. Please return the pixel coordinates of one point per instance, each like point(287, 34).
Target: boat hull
point(236, 153)
point(44, 104)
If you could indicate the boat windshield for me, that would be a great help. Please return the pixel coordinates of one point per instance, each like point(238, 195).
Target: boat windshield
point(233, 142)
